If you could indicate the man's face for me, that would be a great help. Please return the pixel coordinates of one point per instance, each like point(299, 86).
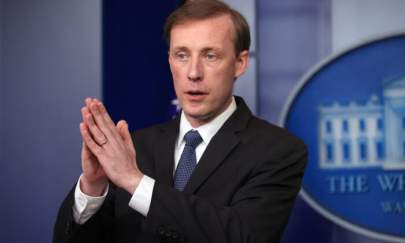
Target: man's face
point(204, 66)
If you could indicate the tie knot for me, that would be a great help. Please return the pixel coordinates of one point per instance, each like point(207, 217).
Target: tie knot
point(192, 138)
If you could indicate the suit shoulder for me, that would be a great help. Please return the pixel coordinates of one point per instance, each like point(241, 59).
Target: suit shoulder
point(153, 129)
point(146, 137)
point(272, 133)
point(275, 145)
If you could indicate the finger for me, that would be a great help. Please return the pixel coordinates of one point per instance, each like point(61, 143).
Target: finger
point(86, 153)
point(106, 125)
point(120, 127)
point(95, 132)
point(104, 112)
point(88, 140)
point(89, 161)
point(87, 101)
point(126, 136)
point(85, 110)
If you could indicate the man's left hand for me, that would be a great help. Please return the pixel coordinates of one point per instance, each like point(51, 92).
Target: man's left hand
point(117, 153)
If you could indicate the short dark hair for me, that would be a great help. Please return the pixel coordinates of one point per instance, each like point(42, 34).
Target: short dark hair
point(204, 9)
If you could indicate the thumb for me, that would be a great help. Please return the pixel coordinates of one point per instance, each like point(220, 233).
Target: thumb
point(86, 153)
point(122, 127)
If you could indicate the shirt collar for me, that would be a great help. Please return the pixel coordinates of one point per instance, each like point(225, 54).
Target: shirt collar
point(206, 131)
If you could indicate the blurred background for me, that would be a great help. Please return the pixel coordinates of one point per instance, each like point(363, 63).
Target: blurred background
point(54, 53)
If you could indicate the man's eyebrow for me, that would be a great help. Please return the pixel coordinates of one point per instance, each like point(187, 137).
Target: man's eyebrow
point(207, 49)
point(204, 50)
point(180, 48)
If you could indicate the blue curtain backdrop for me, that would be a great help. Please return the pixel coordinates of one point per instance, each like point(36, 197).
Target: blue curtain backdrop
point(137, 82)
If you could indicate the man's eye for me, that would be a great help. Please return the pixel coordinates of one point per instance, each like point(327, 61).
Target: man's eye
point(181, 56)
point(211, 57)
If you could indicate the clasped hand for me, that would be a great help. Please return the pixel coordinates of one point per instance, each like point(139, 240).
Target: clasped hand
point(108, 152)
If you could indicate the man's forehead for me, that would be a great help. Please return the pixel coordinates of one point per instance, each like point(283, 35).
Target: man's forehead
point(202, 49)
point(214, 29)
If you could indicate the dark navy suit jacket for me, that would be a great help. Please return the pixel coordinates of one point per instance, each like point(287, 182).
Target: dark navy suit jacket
point(242, 189)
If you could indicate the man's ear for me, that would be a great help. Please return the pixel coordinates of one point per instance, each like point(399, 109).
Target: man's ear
point(169, 59)
point(242, 63)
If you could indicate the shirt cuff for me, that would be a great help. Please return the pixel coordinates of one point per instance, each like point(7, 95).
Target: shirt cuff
point(86, 206)
point(142, 197)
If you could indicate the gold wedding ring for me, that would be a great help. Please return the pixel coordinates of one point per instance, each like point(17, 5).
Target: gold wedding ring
point(104, 142)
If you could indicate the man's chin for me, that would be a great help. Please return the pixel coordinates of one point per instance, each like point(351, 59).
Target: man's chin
point(198, 117)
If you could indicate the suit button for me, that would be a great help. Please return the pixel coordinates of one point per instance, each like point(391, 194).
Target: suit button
point(68, 229)
point(168, 234)
point(161, 231)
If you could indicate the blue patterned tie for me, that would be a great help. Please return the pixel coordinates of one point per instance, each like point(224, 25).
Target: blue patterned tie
point(188, 160)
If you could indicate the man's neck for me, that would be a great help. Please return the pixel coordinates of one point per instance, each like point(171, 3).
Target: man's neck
point(207, 130)
point(196, 122)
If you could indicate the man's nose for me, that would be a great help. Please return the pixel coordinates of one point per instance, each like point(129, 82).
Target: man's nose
point(195, 72)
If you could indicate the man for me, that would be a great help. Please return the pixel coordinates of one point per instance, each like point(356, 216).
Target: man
point(214, 174)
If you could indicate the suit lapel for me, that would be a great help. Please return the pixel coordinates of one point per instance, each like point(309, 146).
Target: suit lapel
point(164, 152)
point(220, 146)
point(218, 149)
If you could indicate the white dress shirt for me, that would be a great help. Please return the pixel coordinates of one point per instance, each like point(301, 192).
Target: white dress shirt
point(86, 206)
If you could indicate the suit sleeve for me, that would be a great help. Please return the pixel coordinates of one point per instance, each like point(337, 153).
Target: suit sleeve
point(258, 212)
point(99, 228)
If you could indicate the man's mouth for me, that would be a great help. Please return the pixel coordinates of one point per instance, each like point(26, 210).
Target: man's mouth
point(196, 95)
